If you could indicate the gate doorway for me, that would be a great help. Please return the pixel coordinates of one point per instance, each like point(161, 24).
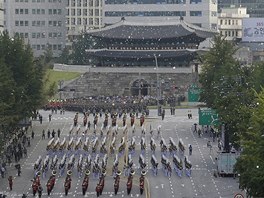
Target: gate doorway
point(139, 87)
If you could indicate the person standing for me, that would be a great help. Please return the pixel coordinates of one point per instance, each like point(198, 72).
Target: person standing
point(50, 117)
point(48, 134)
point(32, 134)
point(53, 133)
point(163, 114)
point(10, 181)
point(59, 132)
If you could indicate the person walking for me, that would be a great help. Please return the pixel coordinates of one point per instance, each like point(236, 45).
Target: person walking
point(10, 181)
point(190, 149)
point(43, 134)
point(50, 117)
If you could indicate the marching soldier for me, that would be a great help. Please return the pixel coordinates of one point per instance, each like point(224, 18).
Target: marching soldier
point(141, 184)
point(10, 181)
point(117, 180)
point(98, 189)
point(124, 119)
point(142, 119)
point(40, 189)
point(129, 181)
point(85, 182)
point(132, 119)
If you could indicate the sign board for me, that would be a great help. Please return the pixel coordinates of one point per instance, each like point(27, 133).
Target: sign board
point(208, 117)
point(194, 94)
point(253, 30)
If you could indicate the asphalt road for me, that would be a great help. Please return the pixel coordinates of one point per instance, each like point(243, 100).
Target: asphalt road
point(202, 183)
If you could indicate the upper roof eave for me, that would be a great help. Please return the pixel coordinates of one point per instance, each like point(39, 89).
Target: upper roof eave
point(181, 28)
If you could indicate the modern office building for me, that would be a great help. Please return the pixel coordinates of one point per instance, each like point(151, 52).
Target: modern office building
point(40, 22)
point(255, 8)
point(81, 16)
point(202, 13)
point(1, 16)
point(230, 22)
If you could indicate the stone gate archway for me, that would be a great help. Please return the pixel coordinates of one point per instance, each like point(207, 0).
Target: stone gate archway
point(140, 87)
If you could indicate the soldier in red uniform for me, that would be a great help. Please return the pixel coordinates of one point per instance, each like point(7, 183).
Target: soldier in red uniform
point(85, 184)
point(34, 187)
point(67, 183)
point(141, 184)
point(129, 184)
point(116, 184)
point(10, 181)
point(98, 190)
point(132, 119)
point(142, 119)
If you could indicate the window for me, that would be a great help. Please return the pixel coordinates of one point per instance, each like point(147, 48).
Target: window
point(50, 23)
point(16, 23)
point(54, 23)
point(33, 11)
point(33, 35)
point(195, 13)
point(26, 11)
point(221, 22)
point(42, 23)
point(16, 11)
point(21, 23)
point(26, 23)
point(38, 11)
point(50, 35)
point(59, 12)
point(195, 1)
point(79, 21)
point(50, 11)
point(43, 35)
point(33, 23)
point(26, 35)
point(38, 35)
point(42, 11)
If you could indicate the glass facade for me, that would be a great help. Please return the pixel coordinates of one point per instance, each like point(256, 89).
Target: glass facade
point(255, 8)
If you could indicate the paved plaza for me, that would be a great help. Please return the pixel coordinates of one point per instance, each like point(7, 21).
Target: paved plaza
point(201, 183)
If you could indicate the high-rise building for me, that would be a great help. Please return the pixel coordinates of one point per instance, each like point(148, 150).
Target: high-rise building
point(1, 16)
point(230, 22)
point(255, 8)
point(202, 13)
point(40, 22)
point(81, 16)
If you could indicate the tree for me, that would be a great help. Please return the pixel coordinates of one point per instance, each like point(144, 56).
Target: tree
point(227, 87)
point(65, 57)
point(21, 76)
point(250, 164)
point(85, 41)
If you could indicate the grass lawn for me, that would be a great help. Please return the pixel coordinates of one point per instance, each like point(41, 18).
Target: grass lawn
point(54, 76)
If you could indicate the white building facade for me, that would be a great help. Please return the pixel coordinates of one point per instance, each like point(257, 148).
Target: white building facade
point(1, 16)
point(81, 16)
point(40, 22)
point(230, 22)
point(202, 13)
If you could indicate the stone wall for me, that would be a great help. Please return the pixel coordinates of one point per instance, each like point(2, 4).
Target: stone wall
point(120, 83)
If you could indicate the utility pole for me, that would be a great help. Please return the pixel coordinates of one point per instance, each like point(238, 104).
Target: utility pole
point(158, 85)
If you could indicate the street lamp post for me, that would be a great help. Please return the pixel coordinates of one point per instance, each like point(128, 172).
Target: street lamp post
point(158, 85)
